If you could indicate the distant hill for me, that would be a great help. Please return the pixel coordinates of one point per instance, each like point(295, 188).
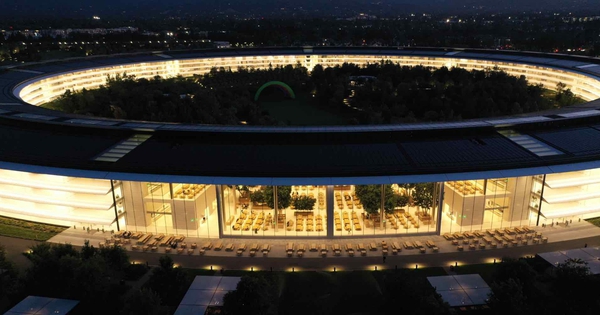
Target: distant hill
point(154, 8)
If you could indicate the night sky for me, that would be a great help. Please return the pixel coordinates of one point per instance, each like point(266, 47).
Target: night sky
point(157, 8)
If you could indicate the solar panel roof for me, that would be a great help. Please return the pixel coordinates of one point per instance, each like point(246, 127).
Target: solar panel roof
point(573, 140)
point(464, 151)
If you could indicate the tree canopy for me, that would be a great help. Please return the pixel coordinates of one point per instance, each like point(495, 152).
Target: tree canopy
point(397, 94)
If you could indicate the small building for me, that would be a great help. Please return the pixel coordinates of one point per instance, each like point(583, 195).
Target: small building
point(38, 305)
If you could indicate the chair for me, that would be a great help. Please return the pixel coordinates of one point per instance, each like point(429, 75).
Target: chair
point(350, 250)
point(323, 250)
point(241, 249)
point(337, 250)
point(301, 250)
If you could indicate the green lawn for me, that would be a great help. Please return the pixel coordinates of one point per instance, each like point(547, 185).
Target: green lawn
point(28, 230)
point(301, 111)
point(594, 221)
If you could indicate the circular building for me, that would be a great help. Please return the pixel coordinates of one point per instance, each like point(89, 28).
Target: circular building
point(240, 181)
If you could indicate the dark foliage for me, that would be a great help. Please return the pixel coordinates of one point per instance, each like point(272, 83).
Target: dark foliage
point(398, 94)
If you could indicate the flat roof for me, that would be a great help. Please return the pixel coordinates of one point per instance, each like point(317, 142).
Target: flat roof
point(589, 255)
point(461, 290)
point(41, 138)
point(206, 291)
point(39, 305)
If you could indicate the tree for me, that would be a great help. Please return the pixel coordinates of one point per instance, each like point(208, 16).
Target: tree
point(116, 259)
point(517, 269)
point(412, 292)
point(284, 197)
point(303, 202)
point(168, 281)
point(507, 297)
point(144, 302)
point(575, 290)
point(257, 197)
point(254, 295)
point(8, 275)
point(408, 189)
point(370, 197)
point(423, 195)
point(402, 200)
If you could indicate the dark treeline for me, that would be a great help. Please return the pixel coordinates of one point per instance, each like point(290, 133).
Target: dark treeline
point(410, 94)
point(394, 94)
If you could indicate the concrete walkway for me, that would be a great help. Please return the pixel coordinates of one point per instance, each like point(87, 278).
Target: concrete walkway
point(15, 247)
point(559, 238)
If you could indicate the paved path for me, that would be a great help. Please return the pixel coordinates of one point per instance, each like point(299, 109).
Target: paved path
point(15, 247)
point(575, 235)
point(138, 284)
point(312, 261)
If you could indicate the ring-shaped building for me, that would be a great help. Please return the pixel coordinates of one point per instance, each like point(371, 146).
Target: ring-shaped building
point(198, 180)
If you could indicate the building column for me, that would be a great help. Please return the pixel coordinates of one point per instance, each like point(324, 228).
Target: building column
point(329, 206)
point(537, 223)
point(382, 208)
point(276, 208)
point(438, 226)
point(112, 190)
point(219, 194)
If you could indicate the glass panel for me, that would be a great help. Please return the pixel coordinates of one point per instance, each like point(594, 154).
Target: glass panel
point(252, 211)
point(478, 205)
point(177, 209)
point(59, 200)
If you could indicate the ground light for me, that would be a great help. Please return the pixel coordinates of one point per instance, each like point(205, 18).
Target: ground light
point(213, 267)
point(374, 267)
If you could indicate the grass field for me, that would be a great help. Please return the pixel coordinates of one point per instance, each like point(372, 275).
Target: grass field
point(28, 230)
point(301, 111)
point(594, 221)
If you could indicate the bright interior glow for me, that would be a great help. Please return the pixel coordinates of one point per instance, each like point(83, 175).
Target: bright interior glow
point(560, 212)
point(66, 218)
point(42, 185)
point(572, 181)
point(58, 202)
point(45, 89)
point(574, 196)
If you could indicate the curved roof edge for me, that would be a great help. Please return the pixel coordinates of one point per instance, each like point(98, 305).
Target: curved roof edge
point(299, 180)
point(573, 64)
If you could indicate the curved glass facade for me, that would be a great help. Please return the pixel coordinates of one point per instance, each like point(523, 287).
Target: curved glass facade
point(47, 88)
point(301, 211)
